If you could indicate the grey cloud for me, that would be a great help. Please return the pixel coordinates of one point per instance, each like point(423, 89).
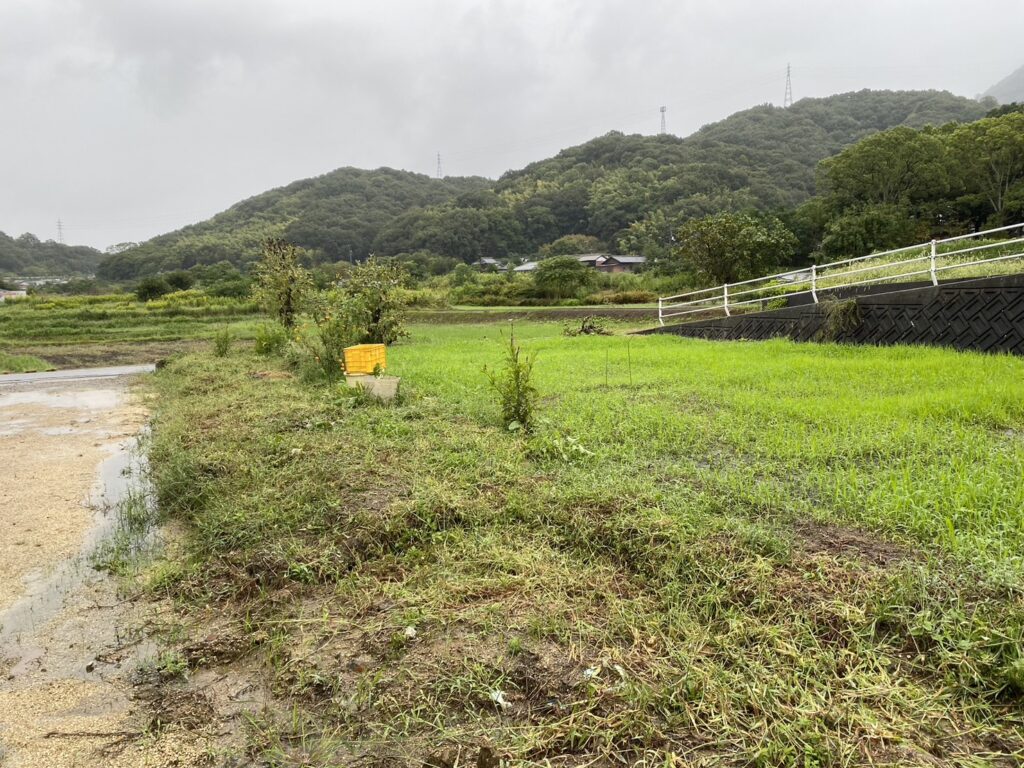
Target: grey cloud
point(131, 117)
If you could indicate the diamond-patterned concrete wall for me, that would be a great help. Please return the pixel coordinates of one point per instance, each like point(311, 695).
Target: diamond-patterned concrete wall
point(986, 314)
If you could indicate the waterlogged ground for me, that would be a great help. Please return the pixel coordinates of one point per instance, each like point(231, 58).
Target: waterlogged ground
point(70, 642)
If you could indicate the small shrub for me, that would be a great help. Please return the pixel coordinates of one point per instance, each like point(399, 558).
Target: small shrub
point(150, 288)
point(588, 326)
point(373, 302)
point(516, 393)
point(270, 339)
point(780, 302)
point(222, 342)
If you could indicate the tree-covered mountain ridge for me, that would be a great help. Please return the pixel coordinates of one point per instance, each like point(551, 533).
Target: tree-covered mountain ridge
point(761, 158)
point(28, 256)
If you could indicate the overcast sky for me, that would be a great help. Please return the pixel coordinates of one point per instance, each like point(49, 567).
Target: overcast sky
point(127, 118)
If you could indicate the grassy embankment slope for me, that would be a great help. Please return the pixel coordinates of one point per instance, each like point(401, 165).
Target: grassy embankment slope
point(736, 553)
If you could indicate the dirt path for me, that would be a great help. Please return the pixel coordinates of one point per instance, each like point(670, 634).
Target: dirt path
point(68, 650)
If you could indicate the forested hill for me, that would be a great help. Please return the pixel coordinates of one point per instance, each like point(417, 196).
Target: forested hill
point(336, 215)
point(27, 255)
point(762, 158)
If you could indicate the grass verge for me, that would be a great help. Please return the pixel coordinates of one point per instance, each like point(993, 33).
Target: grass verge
point(752, 554)
point(22, 363)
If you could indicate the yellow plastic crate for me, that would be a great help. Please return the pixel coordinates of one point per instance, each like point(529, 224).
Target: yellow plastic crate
point(364, 358)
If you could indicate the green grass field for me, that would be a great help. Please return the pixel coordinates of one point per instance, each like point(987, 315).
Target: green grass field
point(707, 554)
point(63, 320)
point(21, 363)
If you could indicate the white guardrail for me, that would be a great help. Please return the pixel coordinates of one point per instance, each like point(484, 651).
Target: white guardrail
point(929, 259)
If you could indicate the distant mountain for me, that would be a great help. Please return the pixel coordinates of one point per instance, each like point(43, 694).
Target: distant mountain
point(766, 154)
point(763, 157)
point(1010, 89)
point(28, 256)
point(336, 215)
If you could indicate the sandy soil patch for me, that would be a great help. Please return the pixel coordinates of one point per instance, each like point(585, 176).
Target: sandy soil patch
point(52, 439)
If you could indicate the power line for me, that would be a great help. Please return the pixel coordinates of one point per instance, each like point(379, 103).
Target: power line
point(663, 109)
point(787, 100)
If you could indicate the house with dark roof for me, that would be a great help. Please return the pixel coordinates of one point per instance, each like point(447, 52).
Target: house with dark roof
point(624, 263)
point(487, 264)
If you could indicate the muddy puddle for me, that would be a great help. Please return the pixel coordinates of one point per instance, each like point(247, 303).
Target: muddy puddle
point(73, 640)
point(121, 476)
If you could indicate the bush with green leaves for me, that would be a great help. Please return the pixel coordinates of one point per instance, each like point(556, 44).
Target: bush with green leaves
point(282, 284)
point(150, 288)
point(517, 395)
point(270, 339)
point(563, 277)
point(372, 302)
point(222, 342)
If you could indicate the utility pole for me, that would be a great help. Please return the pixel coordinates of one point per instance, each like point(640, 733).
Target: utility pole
point(60, 231)
point(787, 100)
point(663, 110)
point(439, 165)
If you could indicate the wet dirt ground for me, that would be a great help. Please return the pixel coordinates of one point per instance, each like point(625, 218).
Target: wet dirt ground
point(72, 644)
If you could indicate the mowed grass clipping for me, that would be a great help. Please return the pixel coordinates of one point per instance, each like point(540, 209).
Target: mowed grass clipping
point(708, 553)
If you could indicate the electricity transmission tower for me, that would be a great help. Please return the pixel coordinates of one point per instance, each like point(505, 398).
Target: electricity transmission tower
point(60, 231)
point(787, 100)
point(663, 119)
point(439, 165)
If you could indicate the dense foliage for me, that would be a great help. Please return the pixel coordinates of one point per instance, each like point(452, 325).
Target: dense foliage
point(762, 158)
point(335, 217)
point(27, 256)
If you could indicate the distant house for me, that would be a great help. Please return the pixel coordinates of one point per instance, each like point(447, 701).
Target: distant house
point(592, 259)
point(5, 294)
point(621, 263)
point(487, 264)
point(603, 262)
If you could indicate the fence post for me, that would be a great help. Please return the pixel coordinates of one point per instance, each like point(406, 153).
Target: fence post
point(661, 320)
point(814, 282)
point(725, 299)
point(931, 269)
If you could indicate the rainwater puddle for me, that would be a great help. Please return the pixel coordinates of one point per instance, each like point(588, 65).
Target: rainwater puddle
point(121, 477)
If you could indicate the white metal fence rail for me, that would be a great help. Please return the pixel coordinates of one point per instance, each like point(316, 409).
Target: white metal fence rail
point(896, 265)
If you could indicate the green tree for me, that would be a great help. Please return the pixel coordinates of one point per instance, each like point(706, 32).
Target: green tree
point(651, 236)
point(861, 231)
point(150, 288)
point(990, 156)
point(563, 276)
point(179, 280)
point(729, 247)
point(888, 168)
point(570, 245)
point(282, 283)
